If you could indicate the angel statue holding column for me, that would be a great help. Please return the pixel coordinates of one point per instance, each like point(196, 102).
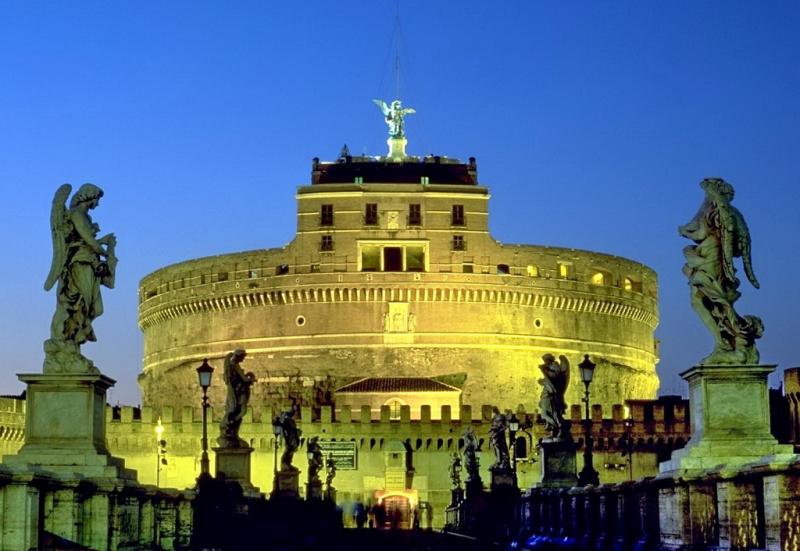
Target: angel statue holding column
point(394, 114)
point(82, 262)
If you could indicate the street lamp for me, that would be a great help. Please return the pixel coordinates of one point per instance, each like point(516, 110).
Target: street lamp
point(513, 427)
point(204, 373)
point(277, 430)
point(628, 422)
point(161, 451)
point(587, 475)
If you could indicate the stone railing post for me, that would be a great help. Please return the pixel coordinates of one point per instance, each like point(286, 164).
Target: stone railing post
point(627, 519)
point(147, 520)
point(184, 522)
point(21, 524)
point(577, 501)
point(687, 513)
point(565, 532)
point(740, 503)
point(65, 513)
point(782, 509)
point(166, 520)
point(591, 520)
point(98, 509)
point(607, 517)
point(648, 528)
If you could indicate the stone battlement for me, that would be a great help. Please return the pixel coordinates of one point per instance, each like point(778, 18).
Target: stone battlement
point(663, 418)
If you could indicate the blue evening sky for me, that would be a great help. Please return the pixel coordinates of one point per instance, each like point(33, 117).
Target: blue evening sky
point(592, 123)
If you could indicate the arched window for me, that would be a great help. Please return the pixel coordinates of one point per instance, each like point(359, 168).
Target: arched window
point(598, 278)
point(394, 408)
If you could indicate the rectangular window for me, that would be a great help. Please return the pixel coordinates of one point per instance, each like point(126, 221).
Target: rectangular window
point(467, 268)
point(415, 259)
point(371, 214)
point(326, 215)
point(458, 243)
point(533, 271)
point(370, 259)
point(564, 270)
point(414, 215)
point(458, 215)
point(327, 243)
point(315, 268)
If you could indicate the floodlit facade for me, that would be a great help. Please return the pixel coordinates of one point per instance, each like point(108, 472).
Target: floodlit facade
point(393, 273)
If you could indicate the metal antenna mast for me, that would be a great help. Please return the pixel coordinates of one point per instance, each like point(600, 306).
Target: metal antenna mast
point(397, 51)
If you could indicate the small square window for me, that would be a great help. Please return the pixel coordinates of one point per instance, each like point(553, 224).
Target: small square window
point(315, 268)
point(458, 243)
point(467, 268)
point(326, 215)
point(327, 243)
point(458, 215)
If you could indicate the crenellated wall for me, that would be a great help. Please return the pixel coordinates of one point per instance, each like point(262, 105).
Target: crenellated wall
point(12, 425)
point(657, 428)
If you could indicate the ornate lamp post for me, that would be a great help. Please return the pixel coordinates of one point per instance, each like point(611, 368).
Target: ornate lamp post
point(276, 431)
point(513, 427)
point(204, 373)
point(587, 475)
point(629, 440)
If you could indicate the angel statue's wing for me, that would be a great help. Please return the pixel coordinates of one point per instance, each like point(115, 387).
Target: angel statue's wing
point(58, 216)
point(382, 106)
point(409, 110)
point(565, 377)
point(743, 246)
point(728, 237)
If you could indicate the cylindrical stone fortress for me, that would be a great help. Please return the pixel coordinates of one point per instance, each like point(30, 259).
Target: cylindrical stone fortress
point(393, 273)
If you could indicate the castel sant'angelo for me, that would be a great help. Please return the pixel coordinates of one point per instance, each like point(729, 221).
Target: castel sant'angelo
point(393, 274)
point(391, 324)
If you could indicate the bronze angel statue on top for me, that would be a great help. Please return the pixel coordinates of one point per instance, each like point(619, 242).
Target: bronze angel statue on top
point(720, 234)
point(82, 262)
point(394, 114)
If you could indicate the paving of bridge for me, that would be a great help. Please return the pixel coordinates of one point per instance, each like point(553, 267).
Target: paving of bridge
point(393, 540)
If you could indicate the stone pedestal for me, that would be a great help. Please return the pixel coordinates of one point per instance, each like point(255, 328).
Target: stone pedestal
point(502, 479)
point(287, 484)
point(473, 487)
point(314, 490)
point(729, 406)
point(397, 148)
point(234, 464)
point(65, 426)
point(558, 463)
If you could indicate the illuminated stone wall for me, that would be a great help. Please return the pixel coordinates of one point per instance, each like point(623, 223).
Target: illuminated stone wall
point(480, 317)
point(12, 425)
point(658, 428)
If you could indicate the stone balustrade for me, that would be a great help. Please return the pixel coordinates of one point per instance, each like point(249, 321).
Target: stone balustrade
point(99, 514)
point(757, 507)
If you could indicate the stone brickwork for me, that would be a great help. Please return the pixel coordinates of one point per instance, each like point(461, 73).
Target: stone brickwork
point(461, 306)
point(658, 427)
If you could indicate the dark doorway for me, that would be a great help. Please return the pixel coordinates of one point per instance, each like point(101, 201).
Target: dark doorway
point(392, 259)
point(397, 513)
